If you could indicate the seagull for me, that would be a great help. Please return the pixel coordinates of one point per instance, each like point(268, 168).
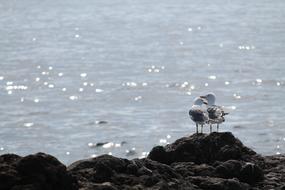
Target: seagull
point(198, 113)
point(216, 113)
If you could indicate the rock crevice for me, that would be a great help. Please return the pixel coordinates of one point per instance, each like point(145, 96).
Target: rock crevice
point(217, 161)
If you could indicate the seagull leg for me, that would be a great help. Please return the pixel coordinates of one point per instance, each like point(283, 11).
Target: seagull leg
point(202, 128)
point(210, 128)
point(196, 128)
point(217, 127)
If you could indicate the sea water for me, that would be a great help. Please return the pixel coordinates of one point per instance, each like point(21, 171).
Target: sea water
point(124, 73)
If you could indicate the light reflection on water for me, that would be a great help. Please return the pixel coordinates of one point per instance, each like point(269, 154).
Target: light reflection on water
point(75, 74)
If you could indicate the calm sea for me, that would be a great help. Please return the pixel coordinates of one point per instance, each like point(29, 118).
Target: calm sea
point(77, 73)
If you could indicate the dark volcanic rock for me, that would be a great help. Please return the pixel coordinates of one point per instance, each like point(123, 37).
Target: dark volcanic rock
point(125, 174)
point(274, 173)
point(213, 183)
point(251, 173)
point(218, 155)
point(202, 148)
point(229, 169)
point(39, 172)
point(8, 173)
point(217, 161)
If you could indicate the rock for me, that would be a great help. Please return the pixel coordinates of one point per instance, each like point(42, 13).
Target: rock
point(8, 174)
point(38, 171)
point(214, 155)
point(274, 173)
point(228, 169)
point(9, 158)
point(246, 172)
point(126, 174)
point(101, 122)
point(251, 173)
point(202, 148)
point(218, 183)
point(217, 161)
point(159, 154)
point(99, 144)
point(187, 169)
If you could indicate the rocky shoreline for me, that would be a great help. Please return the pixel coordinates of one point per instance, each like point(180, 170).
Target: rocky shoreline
point(216, 161)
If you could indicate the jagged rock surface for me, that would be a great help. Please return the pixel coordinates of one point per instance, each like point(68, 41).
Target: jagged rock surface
point(202, 148)
point(108, 172)
point(34, 172)
point(217, 161)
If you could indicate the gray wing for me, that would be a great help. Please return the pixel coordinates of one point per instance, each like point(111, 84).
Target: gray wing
point(214, 112)
point(198, 115)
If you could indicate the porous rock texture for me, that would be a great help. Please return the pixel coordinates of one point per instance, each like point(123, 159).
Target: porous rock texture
point(216, 161)
point(34, 172)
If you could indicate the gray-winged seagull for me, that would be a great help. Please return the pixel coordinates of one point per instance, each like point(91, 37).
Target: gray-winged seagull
point(198, 113)
point(216, 113)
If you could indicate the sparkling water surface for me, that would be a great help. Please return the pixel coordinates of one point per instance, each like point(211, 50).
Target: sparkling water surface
point(124, 73)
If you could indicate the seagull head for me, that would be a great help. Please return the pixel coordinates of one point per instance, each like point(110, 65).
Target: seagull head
point(200, 101)
point(211, 98)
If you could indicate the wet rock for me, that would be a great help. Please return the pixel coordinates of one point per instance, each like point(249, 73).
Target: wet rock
point(251, 173)
point(44, 171)
point(99, 169)
point(25, 187)
point(187, 169)
point(9, 158)
point(218, 183)
point(229, 169)
point(126, 174)
point(39, 171)
point(100, 144)
point(274, 173)
point(202, 148)
point(101, 122)
point(217, 161)
point(8, 174)
point(159, 154)
point(103, 186)
point(215, 155)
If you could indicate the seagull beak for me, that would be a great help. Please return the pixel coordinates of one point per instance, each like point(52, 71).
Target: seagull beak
point(204, 99)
